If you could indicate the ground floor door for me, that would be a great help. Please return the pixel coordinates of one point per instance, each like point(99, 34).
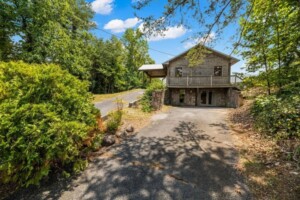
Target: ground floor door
point(205, 98)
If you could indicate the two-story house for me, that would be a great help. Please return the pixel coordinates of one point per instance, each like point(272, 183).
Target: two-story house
point(208, 84)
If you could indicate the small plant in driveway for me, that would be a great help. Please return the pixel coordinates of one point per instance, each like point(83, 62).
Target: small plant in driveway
point(114, 121)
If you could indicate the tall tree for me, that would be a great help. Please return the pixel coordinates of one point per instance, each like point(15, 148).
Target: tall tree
point(271, 41)
point(108, 70)
point(49, 31)
point(136, 54)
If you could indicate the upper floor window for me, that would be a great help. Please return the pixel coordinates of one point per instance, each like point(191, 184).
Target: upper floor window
point(218, 71)
point(178, 72)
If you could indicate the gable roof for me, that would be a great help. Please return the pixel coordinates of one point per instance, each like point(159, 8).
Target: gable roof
point(233, 60)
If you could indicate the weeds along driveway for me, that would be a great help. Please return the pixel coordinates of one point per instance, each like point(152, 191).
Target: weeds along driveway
point(185, 153)
point(109, 105)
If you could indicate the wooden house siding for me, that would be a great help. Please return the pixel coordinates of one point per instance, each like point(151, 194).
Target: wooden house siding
point(204, 69)
point(202, 85)
point(201, 75)
point(198, 86)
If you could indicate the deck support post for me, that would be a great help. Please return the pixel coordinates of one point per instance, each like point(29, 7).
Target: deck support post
point(187, 81)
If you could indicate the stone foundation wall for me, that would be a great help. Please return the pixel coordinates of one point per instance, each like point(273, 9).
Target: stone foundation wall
point(220, 97)
point(157, 99)
point(235, 99)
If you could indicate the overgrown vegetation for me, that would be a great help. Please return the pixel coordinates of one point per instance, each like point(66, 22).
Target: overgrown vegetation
point(279, 114)
point(46, 115)
point(55, 31)
point(270, 41)
point(47, 118)
point(114, 121)
point(269, 161)
point(156, 84)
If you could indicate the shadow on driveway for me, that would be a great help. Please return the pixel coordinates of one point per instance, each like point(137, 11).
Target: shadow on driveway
point(170, 167)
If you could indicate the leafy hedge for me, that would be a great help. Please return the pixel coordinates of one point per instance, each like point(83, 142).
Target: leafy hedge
point(279, 115)
point(147, 97)
point(46, 114)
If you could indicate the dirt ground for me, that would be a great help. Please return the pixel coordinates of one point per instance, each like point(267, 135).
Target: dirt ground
point(270, 172)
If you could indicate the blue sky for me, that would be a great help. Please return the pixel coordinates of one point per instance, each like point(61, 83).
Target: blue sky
point(114, 16)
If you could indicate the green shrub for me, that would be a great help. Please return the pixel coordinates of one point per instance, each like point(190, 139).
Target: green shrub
point(279, 115)
point(45, 115)
point(147, 97)
point(114, 121)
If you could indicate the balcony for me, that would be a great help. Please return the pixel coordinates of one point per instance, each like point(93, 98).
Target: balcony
point(202, 81)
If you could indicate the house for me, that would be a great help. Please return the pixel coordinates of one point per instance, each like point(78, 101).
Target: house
point(208, 84)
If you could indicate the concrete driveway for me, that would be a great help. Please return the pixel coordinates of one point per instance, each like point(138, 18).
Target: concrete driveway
point(186, 153)
point(109, 105)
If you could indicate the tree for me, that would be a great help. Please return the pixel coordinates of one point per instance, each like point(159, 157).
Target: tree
point(48, 31)
point(270, 41)
point(203, 16)
point(136, 54)
point(108, 68)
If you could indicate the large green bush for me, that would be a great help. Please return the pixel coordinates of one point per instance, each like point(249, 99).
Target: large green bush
point(156, 84)
point(279, 115)
point(45, 115)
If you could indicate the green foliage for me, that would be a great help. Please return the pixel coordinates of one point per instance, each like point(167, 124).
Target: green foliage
point(55, 31)
point(279, 115)
point(156, 84)
point(197, 55)
point(97, 141)
point(114, 121)
point(203, 18)
point(136, 54)
point(270, 41)
point(108, 70)
point(48, 31)
point(46, 114)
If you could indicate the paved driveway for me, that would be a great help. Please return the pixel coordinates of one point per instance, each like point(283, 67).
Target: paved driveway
point(109, 105)
point(186, 153)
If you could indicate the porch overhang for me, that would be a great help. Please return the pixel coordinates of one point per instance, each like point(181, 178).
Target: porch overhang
point(154, 70)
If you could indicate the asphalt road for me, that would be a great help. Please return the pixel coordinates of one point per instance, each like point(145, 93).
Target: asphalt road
point(109, 105)
point(186, 153)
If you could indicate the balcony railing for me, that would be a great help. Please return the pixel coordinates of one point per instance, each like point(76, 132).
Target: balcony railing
point(202, 81)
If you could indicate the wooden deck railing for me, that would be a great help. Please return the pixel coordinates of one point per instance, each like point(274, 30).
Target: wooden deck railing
point(202, 81)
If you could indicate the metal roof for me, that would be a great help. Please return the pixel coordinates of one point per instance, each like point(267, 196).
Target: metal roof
point(151, 67)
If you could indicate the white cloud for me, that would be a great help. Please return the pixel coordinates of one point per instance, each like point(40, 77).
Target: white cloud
point(103, 7)
point(118, 25)
point(169, 33)
point(194, 42)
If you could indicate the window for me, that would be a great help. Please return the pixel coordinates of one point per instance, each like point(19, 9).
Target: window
point(218, 71)
point(178, 72)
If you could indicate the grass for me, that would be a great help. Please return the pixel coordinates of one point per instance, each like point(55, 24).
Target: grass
point(139, 119)
point(102, 97)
